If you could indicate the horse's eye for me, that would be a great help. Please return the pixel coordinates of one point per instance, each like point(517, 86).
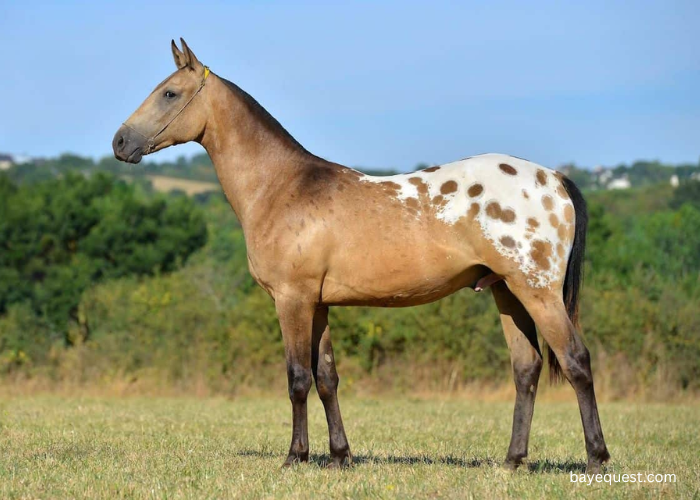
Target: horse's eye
point(169, 94)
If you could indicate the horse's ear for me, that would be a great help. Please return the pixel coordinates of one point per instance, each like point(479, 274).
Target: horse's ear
point(192, 61)
point(180, 58)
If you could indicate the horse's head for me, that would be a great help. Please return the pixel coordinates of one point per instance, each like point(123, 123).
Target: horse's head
point(170, 115)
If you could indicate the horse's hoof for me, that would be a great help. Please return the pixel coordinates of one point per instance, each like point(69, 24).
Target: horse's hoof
point(512, 464)
point(340, 462)
point(294, 459)
point(594, 468)
point(595, 465)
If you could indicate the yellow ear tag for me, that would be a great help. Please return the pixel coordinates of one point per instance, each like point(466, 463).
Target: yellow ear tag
point(206, 72)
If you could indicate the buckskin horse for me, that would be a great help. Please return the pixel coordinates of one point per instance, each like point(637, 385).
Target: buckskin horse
point(319, 234)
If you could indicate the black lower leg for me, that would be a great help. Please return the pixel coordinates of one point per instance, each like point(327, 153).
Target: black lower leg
point(327, 380)
point(526, 379)
point(578, 372)
point(299, 383)
point(526, 360)
point(296, 319)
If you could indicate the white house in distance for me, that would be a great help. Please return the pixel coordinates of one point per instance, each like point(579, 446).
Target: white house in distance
point(619, 183)
point(6, 161)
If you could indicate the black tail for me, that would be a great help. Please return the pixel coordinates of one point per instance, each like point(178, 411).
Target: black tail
point(574, 269)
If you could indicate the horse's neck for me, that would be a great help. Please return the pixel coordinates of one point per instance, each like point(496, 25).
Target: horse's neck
point(252, 154)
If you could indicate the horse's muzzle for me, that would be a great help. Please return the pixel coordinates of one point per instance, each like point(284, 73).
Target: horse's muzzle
point(128, 146)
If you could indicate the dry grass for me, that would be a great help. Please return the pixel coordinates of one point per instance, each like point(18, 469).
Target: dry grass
point(108, 447)
point(165, 184)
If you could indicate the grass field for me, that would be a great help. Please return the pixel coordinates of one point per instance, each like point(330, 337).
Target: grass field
point(54, 447)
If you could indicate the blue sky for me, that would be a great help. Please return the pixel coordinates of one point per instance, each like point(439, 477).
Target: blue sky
point(376, 84)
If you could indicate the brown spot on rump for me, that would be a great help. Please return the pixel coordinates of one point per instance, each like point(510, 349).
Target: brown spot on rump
point(560, 250)
point(525, 195)
point(508, 215)
point(569, 213)
point(432, 169)
point(561, 231)
point(540, 253)
point(532, 222)
point(412, 203)
point(572, 231)
point(507, 241)
point(473, 210)
point(448, 187)
point(554, 220)
point(561, 191)
point(541, 178)
point(439, 201)
point(507, 169)
point(493, 210)
point(475, 190)
point(420, 184)
point(547, 202)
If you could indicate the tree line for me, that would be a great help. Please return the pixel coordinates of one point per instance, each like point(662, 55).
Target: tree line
point(102, 280)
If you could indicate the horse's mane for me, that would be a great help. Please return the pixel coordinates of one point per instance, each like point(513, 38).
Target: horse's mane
point(269, 121)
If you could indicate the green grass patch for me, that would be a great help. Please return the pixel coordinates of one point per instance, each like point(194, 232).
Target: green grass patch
point(52, 447)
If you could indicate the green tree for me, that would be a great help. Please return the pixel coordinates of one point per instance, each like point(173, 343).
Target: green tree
point(687, 192)
point(60, 236)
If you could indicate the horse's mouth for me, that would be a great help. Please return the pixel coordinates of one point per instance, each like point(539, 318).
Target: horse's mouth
point(135, 156)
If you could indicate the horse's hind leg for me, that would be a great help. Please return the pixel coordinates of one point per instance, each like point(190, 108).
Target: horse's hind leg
point(526, 360)
point(323, 367)
point(547, 309)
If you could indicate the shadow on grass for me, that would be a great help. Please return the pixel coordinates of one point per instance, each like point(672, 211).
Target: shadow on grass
point(564, 466)
point(539, 466)
point(419, 460)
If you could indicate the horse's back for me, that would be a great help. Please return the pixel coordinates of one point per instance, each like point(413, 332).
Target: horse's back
point(520, 209)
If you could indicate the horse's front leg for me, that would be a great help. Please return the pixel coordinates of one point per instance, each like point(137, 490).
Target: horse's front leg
point(296, 319)
point(323, 366)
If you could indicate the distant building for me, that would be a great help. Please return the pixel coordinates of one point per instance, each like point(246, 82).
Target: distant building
point(19, 159)
point(604, 175)
point(6, 161)
point(674, 181)
point(619, 183)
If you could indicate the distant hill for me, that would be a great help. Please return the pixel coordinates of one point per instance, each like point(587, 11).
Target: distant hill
point(638, 174)
point(199, 168)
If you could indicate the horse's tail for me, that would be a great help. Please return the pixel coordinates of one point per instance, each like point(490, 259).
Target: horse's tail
point(574, 268)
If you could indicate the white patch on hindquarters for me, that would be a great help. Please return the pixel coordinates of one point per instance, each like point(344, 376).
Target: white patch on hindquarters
point(524, 210)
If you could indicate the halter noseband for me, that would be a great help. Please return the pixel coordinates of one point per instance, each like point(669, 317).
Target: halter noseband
point(150, 142)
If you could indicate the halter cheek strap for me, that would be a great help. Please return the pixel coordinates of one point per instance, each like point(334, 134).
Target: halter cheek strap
point(150, 142)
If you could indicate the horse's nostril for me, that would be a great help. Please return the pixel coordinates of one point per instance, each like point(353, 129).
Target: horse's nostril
point(120, 142)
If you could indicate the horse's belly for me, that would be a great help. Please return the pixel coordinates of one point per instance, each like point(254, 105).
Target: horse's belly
point(395, 277)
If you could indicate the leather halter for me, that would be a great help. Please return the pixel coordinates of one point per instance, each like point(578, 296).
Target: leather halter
point(150, 142)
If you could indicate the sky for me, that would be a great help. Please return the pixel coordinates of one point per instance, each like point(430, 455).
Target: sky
point(372, 84)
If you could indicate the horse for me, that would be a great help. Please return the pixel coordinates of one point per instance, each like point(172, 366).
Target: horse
point(319, 234)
